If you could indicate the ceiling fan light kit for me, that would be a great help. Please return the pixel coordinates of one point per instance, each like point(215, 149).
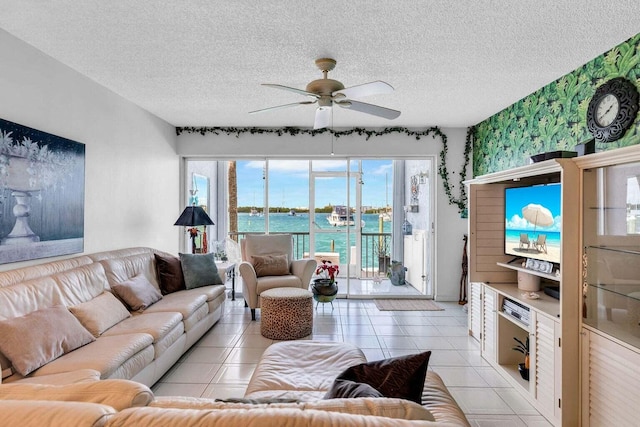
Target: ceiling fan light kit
point(327, 92)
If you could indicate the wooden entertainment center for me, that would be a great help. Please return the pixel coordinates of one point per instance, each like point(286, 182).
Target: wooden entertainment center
point(551, 325)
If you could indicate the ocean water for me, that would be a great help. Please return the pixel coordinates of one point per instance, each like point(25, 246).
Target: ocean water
point(283, 222)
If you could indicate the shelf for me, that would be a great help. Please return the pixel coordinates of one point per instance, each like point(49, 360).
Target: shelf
point(515, 321)
point(545, 304)
point(631, 291)
point(548, 276)
point(619, 249)
point(513, 372)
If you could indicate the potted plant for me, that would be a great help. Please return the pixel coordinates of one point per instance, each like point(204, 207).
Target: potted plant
point(325, 287)
point(523, 347)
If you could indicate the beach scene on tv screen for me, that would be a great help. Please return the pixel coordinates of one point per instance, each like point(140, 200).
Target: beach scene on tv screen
point(532, 222)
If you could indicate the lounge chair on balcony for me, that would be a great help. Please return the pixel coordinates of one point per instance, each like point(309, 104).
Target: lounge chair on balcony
point(524, 240)
point(267, 263)
point(541, 243)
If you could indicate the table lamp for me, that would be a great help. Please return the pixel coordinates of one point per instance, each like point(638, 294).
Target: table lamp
point(194, 216)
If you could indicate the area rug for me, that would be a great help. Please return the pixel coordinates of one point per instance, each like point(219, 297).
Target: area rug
point(407, 305)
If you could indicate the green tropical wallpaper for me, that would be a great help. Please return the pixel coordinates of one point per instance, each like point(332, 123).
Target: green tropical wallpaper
point(554, 117)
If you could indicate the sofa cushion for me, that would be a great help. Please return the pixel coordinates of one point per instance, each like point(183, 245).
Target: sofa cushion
point(379, 407)
point(41, 336)
point(165, 328)
point(270, 265)
point(138, 293)
point(269, 282)
point(170, 276)
point(402, 377)
point(276, 375)
point(199, 270)
point(158, 325)
point(77, 376)
point(100, 313)
point(260, 416)
point(42, 413)
point(119, 394)
point(106, 355)
point(185, 303)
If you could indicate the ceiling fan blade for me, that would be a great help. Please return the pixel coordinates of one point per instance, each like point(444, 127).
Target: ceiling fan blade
point(278, 107)
point(323, 117)
point(375, 110)
point(292, 89)
point(366, 89)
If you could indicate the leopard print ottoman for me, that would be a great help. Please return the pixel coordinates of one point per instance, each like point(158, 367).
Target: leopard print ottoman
point(286, 313)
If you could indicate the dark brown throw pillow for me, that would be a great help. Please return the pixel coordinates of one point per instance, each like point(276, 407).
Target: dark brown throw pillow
point(170, 275)
point(345, 389)
point(400, 377)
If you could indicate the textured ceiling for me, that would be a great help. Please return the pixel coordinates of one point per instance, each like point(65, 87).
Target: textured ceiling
point(201, 62)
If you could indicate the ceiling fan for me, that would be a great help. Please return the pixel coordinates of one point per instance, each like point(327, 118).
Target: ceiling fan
point(327, 93)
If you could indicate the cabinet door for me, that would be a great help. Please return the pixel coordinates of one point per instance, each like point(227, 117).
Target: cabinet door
point(489, 309)
point(544, 347)
point(610, 376)
point(475, 310)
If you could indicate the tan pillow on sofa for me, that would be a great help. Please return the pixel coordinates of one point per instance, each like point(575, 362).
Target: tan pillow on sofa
point(119, 394)
point(100, 313)
point(39, 337)
point(270, 265)
point(138, 293)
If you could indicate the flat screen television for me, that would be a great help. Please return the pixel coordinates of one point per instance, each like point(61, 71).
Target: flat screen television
point(533, 221)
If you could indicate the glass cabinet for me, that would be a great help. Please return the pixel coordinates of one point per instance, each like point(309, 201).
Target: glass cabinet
point(611, 256)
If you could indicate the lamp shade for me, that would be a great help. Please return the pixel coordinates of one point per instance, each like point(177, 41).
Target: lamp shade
point(193, 216)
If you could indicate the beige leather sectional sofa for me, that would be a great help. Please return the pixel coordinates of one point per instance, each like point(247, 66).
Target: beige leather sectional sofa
point(142, 346)
point(106, 382)
point(280, 374)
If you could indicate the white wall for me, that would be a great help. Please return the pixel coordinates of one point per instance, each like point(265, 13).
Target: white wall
point(449, 226)
point(132, 170)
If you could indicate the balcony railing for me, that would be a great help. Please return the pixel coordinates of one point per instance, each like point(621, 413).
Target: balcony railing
point(375, 252)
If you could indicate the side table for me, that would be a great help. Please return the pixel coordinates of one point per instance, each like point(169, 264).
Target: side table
point(229, 270)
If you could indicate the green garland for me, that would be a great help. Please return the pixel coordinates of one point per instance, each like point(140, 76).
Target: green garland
point(461, 201)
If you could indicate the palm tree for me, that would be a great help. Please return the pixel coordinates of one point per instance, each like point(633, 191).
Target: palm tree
point(233, 198)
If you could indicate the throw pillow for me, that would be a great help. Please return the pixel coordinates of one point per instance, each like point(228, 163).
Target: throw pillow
point(199, 270)
point(39, 337)
point(345, 389)
point(138, 293)
point(258, 401)
point(100, 313)
point(170, 277)
point(401, 377)
point(270, 265)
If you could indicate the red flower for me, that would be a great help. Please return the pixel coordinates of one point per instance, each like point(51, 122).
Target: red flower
point(328, 270)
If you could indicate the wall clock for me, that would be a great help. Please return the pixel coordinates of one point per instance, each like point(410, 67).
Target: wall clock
point(613, 109)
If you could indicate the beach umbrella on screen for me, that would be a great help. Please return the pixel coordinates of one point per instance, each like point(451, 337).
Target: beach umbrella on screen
point(537, 215)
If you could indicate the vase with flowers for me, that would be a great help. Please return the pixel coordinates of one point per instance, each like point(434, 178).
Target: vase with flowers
point(325, 287)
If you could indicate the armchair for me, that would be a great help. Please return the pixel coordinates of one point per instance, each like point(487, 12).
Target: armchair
point(254, 249)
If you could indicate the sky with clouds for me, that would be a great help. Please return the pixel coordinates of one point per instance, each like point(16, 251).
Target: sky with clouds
point(289, 183)
point(516, 199)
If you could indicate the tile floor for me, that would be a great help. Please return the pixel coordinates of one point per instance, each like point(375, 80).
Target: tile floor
point(221, 363)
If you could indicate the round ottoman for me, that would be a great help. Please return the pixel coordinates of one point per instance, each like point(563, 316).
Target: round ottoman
point(286, 313)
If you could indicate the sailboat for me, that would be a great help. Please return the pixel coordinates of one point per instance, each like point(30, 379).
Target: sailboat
point(254, 211)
